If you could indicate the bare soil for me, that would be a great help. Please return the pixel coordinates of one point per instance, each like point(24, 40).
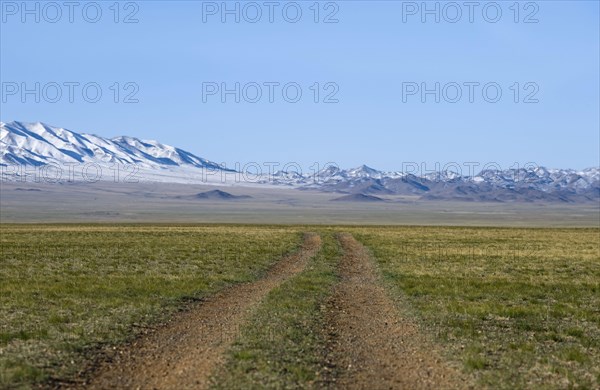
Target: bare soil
point(371, 345)
point(183, 353)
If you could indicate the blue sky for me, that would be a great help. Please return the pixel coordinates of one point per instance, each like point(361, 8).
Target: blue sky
point(370, 55)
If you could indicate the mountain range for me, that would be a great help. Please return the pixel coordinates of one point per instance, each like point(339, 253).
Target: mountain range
point(38, 145)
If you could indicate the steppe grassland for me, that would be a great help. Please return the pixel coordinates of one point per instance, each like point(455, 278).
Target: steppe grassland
point(67, 289)
point(520, 308)
point(515, 308)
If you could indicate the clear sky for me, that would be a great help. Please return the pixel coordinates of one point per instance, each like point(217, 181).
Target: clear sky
point(378, 57)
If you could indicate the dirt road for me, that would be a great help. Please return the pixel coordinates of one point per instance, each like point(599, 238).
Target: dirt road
point(370, 344)
point(183, 354)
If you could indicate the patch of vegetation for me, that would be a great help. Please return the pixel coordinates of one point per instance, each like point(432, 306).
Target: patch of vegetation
point(281, 347)
point(69, 289)
point(518, 307)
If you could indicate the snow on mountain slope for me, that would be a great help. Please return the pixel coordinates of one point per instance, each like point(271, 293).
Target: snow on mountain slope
point(38, 144)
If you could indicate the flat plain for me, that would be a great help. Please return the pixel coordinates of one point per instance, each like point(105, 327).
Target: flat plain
point(440, 307)
point(103, 202)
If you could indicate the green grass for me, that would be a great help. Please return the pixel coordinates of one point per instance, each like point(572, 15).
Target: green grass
point(282, 345)
point(65, 290)
point(518, 307)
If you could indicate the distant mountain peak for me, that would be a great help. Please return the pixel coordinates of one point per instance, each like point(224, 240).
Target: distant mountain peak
point(364, 170)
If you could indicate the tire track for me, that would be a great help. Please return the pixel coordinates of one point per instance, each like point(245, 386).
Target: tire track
point(184, 353)
point(370, 345)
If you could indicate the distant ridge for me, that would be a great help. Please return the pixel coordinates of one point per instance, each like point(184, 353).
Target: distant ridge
point(358, 198)
point(215, 195)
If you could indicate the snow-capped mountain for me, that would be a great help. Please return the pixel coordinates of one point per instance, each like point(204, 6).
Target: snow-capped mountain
point(37, 144)
point(524, 184)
